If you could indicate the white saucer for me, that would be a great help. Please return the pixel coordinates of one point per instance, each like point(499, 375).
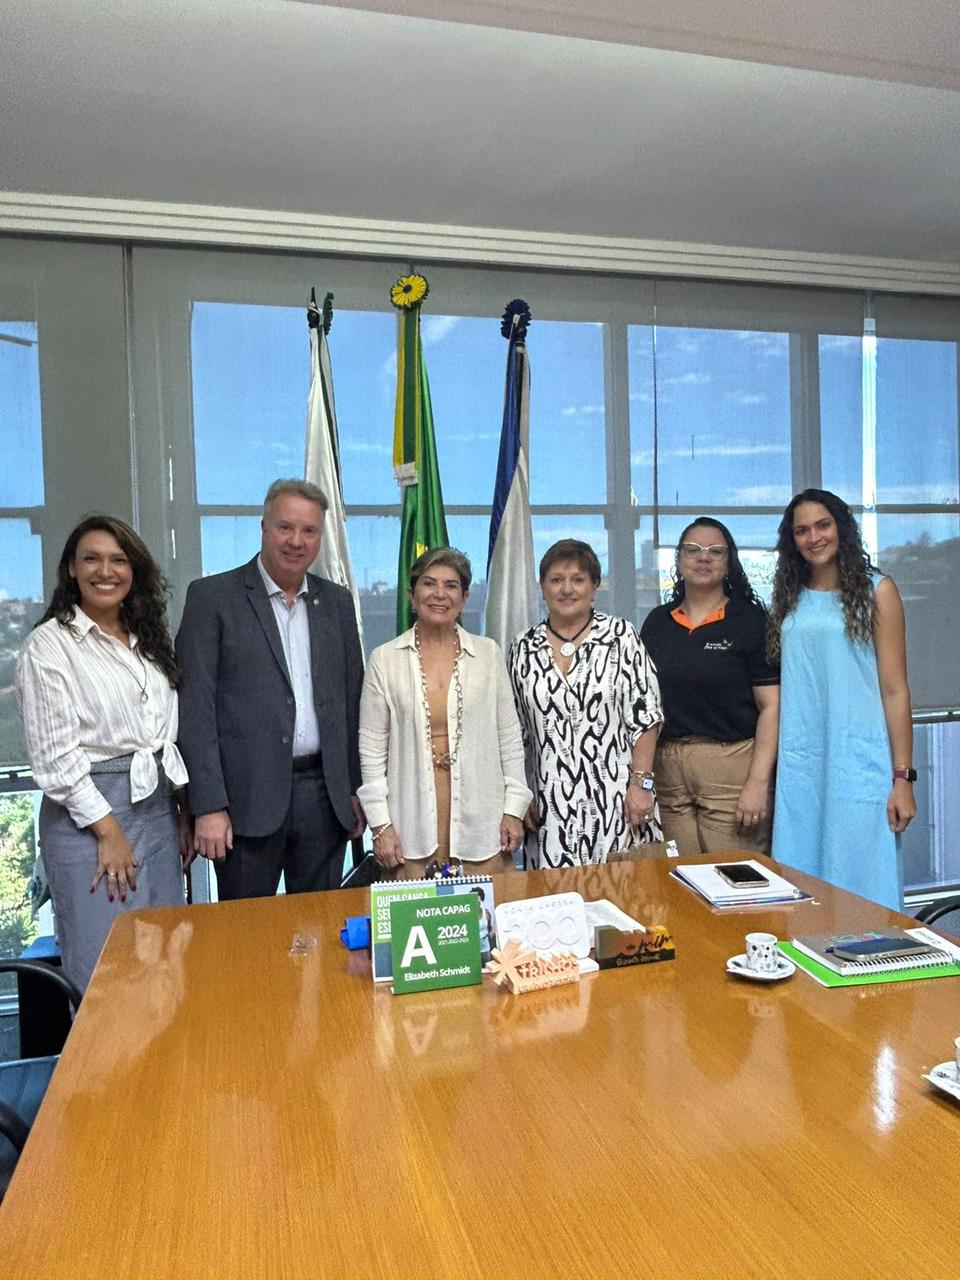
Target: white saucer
point(738, 965)
point(945, 1078)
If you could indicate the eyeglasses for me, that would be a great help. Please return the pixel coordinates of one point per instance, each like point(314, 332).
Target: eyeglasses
point(716, 550)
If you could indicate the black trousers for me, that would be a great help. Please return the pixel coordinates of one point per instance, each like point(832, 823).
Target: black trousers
point(308, 848)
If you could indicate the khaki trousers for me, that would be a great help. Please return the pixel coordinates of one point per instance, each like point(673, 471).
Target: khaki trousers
point(698, 785)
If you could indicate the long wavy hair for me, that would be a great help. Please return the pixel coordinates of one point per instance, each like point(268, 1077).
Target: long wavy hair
point(793, 572)
point(736, 584)
point(144, 608)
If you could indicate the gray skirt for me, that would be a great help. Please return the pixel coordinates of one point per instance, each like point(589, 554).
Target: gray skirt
point(70, 858)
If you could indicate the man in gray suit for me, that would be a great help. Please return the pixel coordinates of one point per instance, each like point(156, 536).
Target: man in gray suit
point(272, 669)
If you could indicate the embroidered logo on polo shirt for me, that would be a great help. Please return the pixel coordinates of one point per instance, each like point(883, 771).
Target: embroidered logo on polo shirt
point(720, 645)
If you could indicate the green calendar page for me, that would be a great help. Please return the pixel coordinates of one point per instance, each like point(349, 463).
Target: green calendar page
point(386, 892)
point(435, 943)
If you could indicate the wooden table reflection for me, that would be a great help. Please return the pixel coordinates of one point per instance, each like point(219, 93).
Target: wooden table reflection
point(224, 1108)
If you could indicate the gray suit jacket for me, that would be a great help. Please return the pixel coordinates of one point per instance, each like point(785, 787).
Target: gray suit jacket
point(237, 709)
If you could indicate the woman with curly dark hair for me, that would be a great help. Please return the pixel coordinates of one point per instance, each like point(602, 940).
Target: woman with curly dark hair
point(845, 777)
point(96, 683)
point(714, 764)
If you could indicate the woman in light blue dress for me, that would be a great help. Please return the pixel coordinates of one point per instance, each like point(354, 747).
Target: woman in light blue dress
point(845, 776)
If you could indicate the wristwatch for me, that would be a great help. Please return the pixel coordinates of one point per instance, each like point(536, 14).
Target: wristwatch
point(642, 779)
point(908, 775)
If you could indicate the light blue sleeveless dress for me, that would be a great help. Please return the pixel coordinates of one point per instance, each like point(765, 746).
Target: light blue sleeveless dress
point(834, 764)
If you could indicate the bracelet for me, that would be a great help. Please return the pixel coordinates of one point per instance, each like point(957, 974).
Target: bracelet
point(377, 832)
point(642, 779)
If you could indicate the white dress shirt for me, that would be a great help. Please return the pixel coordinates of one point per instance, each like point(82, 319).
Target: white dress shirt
point(84, 697)
point(487, 777)
point(295, 638)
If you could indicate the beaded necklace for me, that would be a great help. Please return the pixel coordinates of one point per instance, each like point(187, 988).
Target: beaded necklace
point(442, 759)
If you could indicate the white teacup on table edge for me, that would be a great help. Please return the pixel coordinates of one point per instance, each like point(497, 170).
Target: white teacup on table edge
point(761, 952)
point(737, 965)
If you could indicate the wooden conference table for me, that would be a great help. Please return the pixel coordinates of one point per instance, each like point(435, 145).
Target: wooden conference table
point(226, 1109)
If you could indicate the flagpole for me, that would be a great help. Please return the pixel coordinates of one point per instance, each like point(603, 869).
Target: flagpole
point(422, 521)
point(512, 598)
point(322, 454)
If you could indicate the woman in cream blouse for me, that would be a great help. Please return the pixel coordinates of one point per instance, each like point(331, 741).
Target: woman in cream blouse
point(440, 745)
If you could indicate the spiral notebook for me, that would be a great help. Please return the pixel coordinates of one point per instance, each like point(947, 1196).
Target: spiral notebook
point(933, 957)
point(388, 891)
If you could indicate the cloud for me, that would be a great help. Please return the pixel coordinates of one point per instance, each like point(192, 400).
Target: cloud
point(761, 495)
point(579, 410)
point(764, 344)
point(365, 446)
point(644, 457)
point(471, 437)
point(689, 379)
point(745, 397)
point(921, 495)
point(434, 329)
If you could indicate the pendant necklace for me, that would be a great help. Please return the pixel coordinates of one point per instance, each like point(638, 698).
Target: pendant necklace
point(569, 648)
point(141, 684)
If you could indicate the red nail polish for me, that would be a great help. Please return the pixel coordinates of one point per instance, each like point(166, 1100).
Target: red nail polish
point(123, 897)
point(109, 897)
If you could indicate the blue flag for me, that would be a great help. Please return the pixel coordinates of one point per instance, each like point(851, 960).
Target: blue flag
point(511, 575)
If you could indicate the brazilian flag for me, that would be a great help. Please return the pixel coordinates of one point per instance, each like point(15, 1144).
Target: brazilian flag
point(422, 522)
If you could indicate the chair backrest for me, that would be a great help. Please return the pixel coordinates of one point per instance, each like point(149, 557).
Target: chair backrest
point(945, 913)
point(24, 1081)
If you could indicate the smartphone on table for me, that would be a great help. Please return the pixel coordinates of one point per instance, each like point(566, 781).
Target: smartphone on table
point(741, 875)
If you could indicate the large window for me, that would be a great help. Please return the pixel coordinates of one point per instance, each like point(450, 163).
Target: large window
point(652, 401)
point(21, 498)
point(249, 379)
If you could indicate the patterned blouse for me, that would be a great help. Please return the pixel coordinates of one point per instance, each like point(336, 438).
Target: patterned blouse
point(579, 731)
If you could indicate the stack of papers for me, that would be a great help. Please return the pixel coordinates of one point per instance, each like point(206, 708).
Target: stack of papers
point(704, 879)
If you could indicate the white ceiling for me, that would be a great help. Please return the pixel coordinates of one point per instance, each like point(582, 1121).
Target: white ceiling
point(915, 43)
point(493, 121)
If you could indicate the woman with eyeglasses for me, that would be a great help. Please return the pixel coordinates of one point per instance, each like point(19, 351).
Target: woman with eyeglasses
point(590, 710)
point(714, 765)
point(845, 777)
point(97, 687)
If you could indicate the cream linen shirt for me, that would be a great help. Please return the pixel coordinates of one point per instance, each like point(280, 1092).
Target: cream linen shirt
point(487, 777)
point(85, 697)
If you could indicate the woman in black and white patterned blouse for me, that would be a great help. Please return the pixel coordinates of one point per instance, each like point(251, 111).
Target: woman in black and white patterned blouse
point(589, 707)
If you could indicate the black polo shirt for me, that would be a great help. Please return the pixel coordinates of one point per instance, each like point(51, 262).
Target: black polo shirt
point(707, 674)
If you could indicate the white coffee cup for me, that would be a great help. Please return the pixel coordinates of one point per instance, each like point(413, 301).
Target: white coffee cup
point(762, 952)
point(956, 1045)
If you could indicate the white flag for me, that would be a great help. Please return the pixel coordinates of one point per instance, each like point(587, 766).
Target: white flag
point(322, 466)
point(512, 599)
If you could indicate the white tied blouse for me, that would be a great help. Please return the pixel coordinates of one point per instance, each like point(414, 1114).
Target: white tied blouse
point(487, 777)
point(85, 697)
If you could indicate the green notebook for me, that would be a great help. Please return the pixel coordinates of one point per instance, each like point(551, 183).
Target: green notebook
point(827, 978)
